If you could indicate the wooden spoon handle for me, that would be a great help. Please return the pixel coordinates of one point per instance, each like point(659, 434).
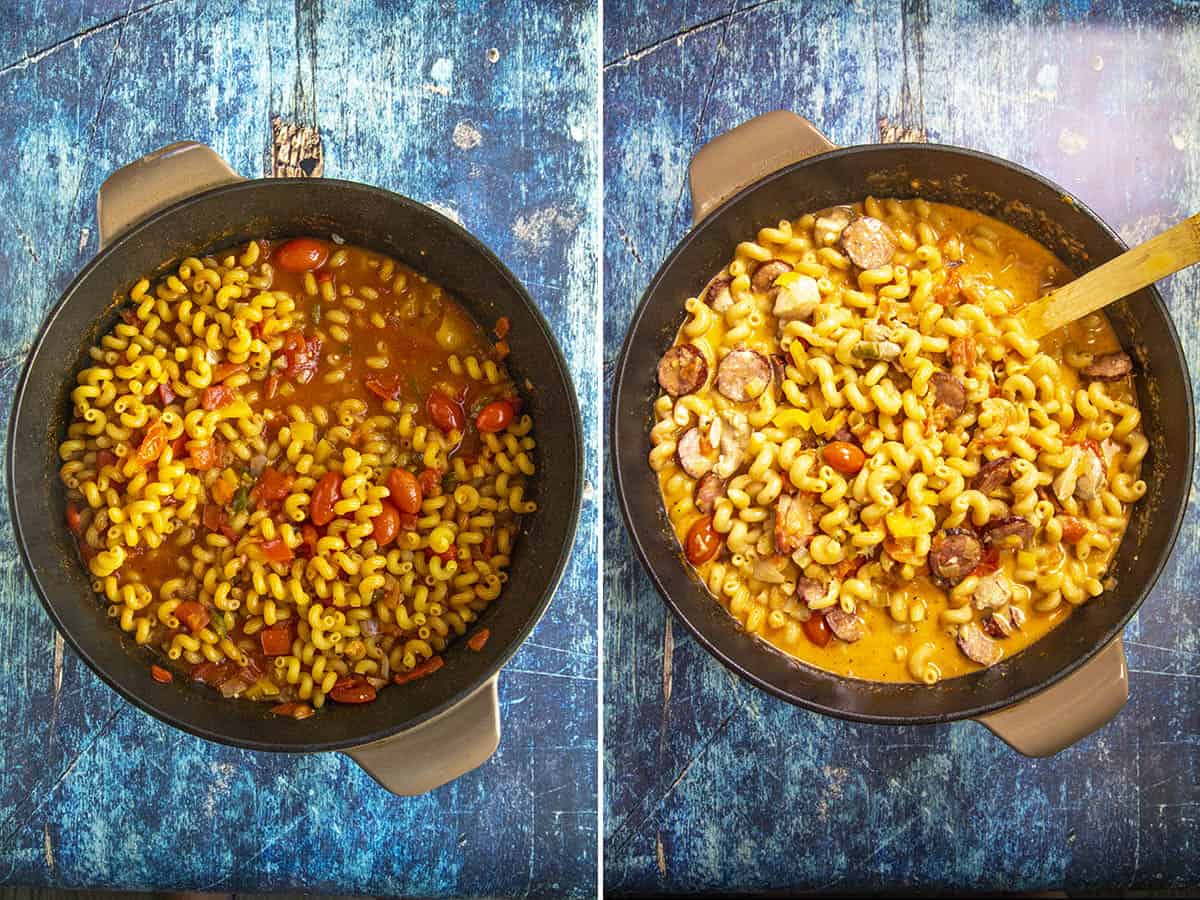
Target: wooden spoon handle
point(1146, 263)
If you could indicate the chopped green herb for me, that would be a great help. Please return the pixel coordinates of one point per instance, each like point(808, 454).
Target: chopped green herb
point(241, 498)
point(448, 480)
point(218, 623)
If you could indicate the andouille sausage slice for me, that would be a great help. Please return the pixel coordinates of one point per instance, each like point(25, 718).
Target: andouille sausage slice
point(743, 375)
point(709, 489)
point(993, 474)
point(869, 243)
point(809, 590)
point(846, 626)
point(764, 276)
point(682, 370)
point(696, 455)
point(1109, 367)
point(978, 646)
point(949, 395)
point(717, 294)
point(954, 556)
point(1008, 531)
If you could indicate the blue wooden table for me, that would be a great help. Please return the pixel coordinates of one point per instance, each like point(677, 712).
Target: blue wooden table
point(712, 784)
point(489, 115)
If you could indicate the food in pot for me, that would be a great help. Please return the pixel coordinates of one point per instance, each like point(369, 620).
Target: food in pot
point(297, 469)
point(893, 480)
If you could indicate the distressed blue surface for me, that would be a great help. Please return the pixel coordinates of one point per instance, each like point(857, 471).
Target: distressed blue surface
point(93, 793)
point(710, 784)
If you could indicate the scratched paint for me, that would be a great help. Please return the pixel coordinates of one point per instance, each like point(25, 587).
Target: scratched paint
point(94, 794)
point(711, 784)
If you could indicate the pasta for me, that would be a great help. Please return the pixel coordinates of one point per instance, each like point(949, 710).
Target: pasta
point(298, 471)
point(872, 465)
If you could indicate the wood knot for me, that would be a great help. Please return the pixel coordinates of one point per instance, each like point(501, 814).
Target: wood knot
point(894, 133)
point(295, 150)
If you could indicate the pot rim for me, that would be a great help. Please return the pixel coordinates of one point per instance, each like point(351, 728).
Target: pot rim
point(726, 659)
point(557, 571)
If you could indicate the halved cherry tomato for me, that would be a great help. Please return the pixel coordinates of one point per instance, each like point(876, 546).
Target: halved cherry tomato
point(152, 445)
point(272, 486)
point(193, 615)
point(502, 326)
point(303, 355)
point(445, 412)
point(327, 493)
point(989, 564)
point(216, 396)
point(844, 456)
point(294, 710)
point(211, 673)
point(161, 675)
point(386, 525)
point(222, 491)
point(502, 349)
point(276, 551)
point(479, 638)
point(428, 667)
point(386, 387)
point(212, 516)
point(276, 640)
point(221, 371)
point(310, 536)
point(165, 393)
point(301, 255)
point(73, 518)
point(430, 481)
point(352, 689)
point(405, 491)
point(1072, 529)
point(206, 455)
point(817, 630)
point(495, 416)
point(702, 542)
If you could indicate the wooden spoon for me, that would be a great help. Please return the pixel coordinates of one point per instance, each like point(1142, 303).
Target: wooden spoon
point(1166, 253)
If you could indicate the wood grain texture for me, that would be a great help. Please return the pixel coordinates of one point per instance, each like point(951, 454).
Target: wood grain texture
point(712, 785)
point(486, 111)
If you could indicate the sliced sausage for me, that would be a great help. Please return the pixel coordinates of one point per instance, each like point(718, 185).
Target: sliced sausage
point(1008, 531)
point(1003, 624)
point(1109, 367)
point(978, 646)
point(845, 626)
point(682, 370)
point(793, 523)
point(743, 375)
point(779, 364)
point(869, 243)
point(696, 455)
point(717, 293)
point(766, 273)
point(993, 474)
point(830, 224)
point(709, 489)
point(949, 395)
point(809, 591)
point(992, 592)
point(954, 556)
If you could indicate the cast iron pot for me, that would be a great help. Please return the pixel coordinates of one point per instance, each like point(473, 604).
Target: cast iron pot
point(778, 166)
point(184, 200)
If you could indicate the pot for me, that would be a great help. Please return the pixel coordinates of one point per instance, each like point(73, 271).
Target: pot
point(1074, 679)
point(185, 200)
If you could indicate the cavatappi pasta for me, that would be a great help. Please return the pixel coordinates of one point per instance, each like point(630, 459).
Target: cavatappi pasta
point(869, 462)
point(297, 469)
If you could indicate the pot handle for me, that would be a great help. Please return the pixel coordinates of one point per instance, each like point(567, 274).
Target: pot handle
point(743, 155)
point(449, 745)
point(155, 181)
point(1054, 719)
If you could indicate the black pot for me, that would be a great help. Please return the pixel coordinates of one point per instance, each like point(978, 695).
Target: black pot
point(439, 727)
point(735, 192)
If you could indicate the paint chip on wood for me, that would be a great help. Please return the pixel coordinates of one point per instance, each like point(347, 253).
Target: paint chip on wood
point(1071, 142)
point(466, 135)
point(296, 150)
point(536, 230)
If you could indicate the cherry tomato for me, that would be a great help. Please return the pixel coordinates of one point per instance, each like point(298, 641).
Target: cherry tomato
point(479, 638)
point(166, 394)
point(276, 640)
point(302, 255)
point(387, 525)
point(405, 491)
point(844, 456)
point(193, 615)
point(703, 542)
point(430, 481)
point(817, 630)
point(152, 445)
point(310, 536)
point(73, 518)
point(206, 455)
point(295, 710)
point(216, 396)
point(352, 689)
point(303, 356)
point(161, 675)
point(1072, 529)
point(420, 670)
point(502, 327)
point(408, 521)
point(495, 416)
point(383, 386)
point(222, 491)
point(327, 493)
point(445, 413)
point(273, 485)
point(276, 551)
